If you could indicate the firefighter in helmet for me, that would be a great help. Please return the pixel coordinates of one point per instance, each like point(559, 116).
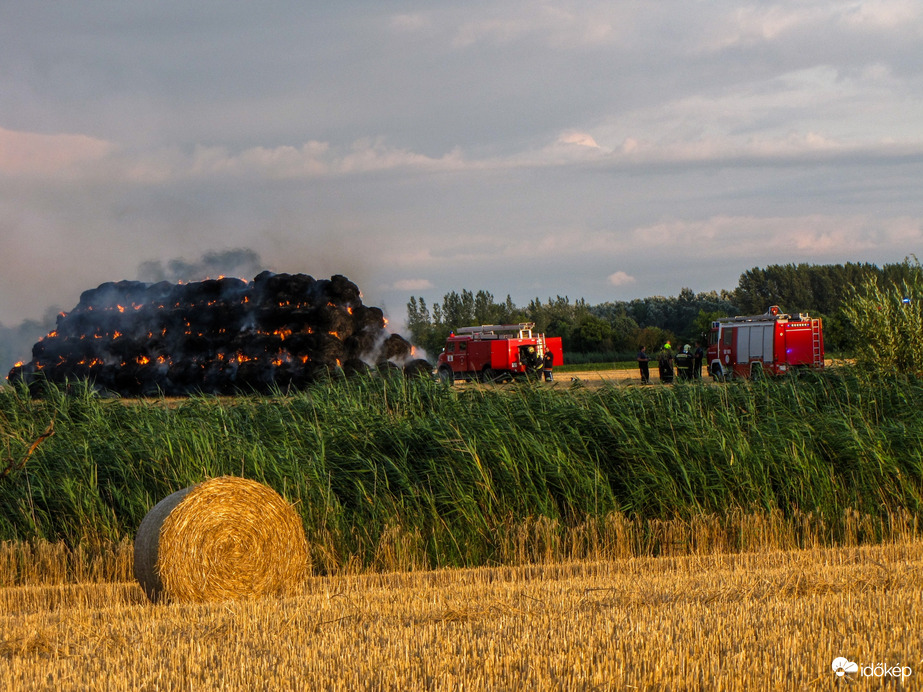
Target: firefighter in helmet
point(684, 360)
point(547, 365)
point(665, 363)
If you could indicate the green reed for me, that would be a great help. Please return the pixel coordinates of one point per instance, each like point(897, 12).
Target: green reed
point(385, 469)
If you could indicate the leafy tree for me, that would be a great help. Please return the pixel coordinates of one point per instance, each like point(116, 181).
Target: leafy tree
point(593, 334)
point(654, 338)
point(701, 326)
point(624, 332)
point(886, 317)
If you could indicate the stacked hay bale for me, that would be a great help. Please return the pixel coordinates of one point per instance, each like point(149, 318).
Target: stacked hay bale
point(225, 538)
point(218, 336)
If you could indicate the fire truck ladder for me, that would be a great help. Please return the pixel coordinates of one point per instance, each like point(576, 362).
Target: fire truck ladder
point(494, 331)
point(815, 339)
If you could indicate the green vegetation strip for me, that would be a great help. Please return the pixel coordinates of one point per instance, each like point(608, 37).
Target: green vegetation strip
point(594, 367)
point(446, 475)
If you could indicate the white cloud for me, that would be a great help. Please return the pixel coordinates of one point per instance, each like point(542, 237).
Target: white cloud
point(620, 278)
point(582, 139)
point(313, 159)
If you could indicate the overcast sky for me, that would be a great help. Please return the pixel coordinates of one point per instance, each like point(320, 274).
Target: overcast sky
point(605, 150)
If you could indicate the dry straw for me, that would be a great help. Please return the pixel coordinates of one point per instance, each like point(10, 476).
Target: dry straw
point(225, 538)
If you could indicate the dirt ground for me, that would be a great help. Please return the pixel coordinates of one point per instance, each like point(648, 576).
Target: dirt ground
point(633, 375)
point(623, 377)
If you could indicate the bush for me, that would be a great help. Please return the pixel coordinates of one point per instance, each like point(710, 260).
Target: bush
point(887, 323)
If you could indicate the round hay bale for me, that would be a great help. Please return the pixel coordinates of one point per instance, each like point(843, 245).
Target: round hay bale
point(225, 538)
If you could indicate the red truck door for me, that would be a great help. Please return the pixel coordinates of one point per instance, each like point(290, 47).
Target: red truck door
point(460, 362)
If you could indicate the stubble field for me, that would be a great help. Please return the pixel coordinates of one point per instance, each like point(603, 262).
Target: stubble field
point(752, 621)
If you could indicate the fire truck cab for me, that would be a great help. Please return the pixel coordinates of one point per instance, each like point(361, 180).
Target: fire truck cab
point(496, 352)
point(773, 343)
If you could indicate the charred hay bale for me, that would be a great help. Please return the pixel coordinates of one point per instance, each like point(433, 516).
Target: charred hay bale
point(341, 291)
point(340, 322)
point(226, 538)
point(369, 318)
point(418, 367)
point(329, 350)
point(354, 366)
point(386, 368)
point(396, 347)
point(363, 344)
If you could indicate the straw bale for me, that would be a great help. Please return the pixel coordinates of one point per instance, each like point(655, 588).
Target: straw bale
point(225, 538)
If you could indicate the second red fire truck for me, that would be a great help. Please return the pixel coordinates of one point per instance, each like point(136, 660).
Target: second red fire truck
point(773, 343)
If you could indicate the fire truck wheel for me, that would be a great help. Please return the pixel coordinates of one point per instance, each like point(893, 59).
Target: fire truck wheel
point(446, 375)
point(716, 373)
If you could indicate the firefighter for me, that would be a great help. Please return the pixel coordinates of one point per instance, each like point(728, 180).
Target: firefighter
point(697, 357)
point(532, 359)
point(665, 363)
point(684, 363)
point(644, 365)
point(547, 365)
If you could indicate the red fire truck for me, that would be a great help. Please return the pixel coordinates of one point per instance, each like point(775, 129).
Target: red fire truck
point(496, 352)
point(772, 343)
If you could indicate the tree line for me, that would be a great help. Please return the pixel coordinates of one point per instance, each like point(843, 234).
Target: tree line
point(615, 329)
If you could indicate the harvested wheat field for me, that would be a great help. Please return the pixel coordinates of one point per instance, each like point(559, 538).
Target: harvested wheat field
point(716, 622)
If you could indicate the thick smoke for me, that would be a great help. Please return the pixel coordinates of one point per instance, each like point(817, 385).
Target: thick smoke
point(218, 336)
point(233, 262)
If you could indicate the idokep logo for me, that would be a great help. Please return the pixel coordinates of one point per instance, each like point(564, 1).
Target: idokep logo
point(843, 666)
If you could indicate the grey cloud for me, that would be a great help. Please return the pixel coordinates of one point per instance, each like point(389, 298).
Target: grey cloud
point(401, 143)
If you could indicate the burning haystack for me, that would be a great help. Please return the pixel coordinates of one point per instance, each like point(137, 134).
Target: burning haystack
point(218, 336)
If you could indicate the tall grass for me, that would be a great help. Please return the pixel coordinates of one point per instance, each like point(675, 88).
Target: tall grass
point(395, 471)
